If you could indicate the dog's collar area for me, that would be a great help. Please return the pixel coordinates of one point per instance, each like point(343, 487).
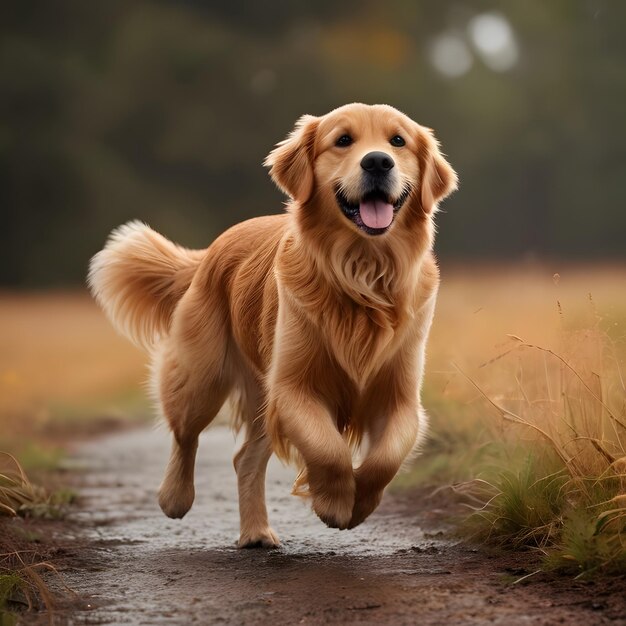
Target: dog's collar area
point(352, 210)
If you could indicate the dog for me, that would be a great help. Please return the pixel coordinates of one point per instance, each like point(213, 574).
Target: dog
point(314, 321)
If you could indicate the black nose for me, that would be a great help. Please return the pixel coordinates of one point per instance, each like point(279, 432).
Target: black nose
point(377, 162)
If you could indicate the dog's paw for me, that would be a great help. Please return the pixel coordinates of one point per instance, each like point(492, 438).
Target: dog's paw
point(335, 510)
point(265, 538)
point(364, 506)
point(175, 501)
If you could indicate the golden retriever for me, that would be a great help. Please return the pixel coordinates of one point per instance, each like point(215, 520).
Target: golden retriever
point(315, 320)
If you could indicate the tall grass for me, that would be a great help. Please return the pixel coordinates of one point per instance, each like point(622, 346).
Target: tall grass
point(17, 493)
point(22, 584)
point(560, 486)
point(21, 497)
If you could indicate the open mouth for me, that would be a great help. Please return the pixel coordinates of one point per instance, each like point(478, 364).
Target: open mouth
point(375, 212)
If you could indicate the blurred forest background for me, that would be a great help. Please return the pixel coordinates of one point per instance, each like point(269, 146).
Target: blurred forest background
point(164, 111)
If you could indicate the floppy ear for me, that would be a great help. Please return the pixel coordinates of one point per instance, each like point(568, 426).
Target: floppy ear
point(437, 178)
point(291, 161)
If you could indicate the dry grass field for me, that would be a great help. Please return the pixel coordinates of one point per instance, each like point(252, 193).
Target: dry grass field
point(61, 363)
point(62, 366)
point(480, 305)
point(524, 387)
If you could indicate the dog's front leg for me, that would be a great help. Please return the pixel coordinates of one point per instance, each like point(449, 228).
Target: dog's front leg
point(392, 439)
point(297, 416)
point(307, 425)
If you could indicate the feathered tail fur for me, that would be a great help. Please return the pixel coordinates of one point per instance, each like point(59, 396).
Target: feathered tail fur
point(138, 278)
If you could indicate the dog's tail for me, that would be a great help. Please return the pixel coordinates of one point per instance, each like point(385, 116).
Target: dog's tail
point(138, 278)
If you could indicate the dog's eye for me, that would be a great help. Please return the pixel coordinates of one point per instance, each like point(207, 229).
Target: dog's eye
point(344, 141)
point(397, 142)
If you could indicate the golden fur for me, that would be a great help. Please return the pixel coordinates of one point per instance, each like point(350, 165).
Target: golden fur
point(316, 327)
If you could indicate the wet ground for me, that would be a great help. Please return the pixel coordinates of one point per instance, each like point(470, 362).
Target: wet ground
point(132, 565)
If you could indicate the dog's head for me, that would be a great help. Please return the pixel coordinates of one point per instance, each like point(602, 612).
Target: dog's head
point(361, 167)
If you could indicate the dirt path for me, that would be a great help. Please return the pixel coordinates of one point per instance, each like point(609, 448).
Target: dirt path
point(134, 566)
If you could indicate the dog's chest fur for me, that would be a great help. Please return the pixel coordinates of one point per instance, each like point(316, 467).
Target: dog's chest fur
point(355, 314)
point(359, 338)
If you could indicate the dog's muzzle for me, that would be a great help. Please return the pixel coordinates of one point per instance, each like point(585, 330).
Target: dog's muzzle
point(375, 210)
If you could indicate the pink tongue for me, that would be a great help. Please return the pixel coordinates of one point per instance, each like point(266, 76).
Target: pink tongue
point(376, 213)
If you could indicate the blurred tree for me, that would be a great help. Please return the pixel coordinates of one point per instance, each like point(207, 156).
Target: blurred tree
point(164, 111)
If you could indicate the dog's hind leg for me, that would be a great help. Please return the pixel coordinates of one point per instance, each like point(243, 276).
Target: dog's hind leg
point(250, 464)
point(192, 381)
point(177, 492)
